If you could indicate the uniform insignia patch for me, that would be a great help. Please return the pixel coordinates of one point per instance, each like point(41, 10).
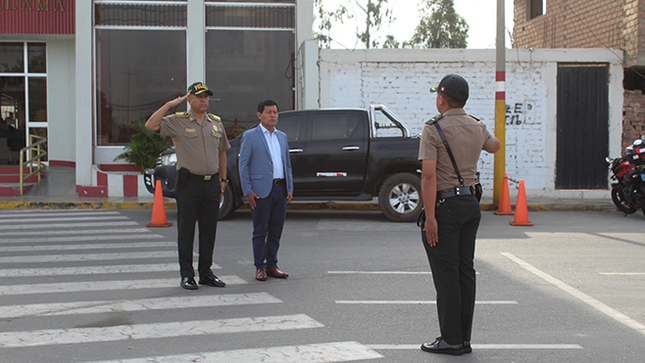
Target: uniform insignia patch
point(190, 130)
point(182, 114)
point(434, 119)
point(214, 117)
point(214, 128)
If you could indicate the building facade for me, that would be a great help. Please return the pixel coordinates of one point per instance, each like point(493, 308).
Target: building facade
point(81, 72)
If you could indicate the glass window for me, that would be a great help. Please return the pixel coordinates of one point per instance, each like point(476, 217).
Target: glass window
point(137, 72)
point(245, 67)
point(12, 102)
point(290, 125)
point(240, 15)
point(38, 99)
point(12, 58)
point(171, 15)
point(327, 126)
point(37, 58)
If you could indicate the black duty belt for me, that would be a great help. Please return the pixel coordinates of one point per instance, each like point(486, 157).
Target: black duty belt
point(454, 192)
point(205, 177)
point(278, 181)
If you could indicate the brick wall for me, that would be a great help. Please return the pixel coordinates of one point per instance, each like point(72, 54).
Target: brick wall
point(633, 117)
point(583, 24)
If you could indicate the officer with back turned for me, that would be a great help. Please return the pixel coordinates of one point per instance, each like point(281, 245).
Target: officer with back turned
point(452, 210)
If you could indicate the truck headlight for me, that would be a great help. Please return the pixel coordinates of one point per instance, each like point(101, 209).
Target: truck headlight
point(170, 159)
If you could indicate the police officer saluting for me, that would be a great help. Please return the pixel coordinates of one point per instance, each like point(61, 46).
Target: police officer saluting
point(201, 144)
point(450, 146)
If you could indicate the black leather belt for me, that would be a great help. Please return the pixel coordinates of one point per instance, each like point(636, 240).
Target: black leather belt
point(454, 192)
point(278, 181)
point(205, 177)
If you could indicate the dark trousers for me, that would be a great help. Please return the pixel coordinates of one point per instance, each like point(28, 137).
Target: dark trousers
point(268, 220)
point(451, 262)
point(197, 201)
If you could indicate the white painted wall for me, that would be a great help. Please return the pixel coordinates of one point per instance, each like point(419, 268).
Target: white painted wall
point(61, 100)
point(400, 79)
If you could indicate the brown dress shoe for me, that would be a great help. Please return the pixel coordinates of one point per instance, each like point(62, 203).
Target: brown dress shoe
point(275, 272)
point(261, 274)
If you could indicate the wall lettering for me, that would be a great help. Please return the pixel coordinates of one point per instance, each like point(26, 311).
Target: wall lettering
point(29, 5)
point(518, 113)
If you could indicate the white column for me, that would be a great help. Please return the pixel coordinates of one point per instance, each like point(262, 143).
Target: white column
point(84, 92)
point(196, 42)
point(307, 84)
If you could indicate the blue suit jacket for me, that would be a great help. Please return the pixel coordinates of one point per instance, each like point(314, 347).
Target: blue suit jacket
point(256, 168)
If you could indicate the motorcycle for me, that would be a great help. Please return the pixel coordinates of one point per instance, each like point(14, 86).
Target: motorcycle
point(628, 171)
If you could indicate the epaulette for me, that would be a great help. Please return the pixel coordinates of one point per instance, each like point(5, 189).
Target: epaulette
point(475, 117)
point(182, 114)
point(214, 117)
point(434, 120)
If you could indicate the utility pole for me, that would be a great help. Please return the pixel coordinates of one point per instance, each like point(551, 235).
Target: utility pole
point(499, 165)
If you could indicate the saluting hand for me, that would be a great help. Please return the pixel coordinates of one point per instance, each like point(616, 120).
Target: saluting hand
point(177, 100)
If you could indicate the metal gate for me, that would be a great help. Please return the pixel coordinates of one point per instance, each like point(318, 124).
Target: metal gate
point(583, 126)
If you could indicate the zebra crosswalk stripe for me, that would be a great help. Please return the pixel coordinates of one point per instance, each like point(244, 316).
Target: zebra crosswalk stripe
point(21, 339)
point(67, 287)
point(89, 257)
point(117, 306)
point(80, 231)
point(318, 353)
point(92, 270)
point(67, 247)
point(83, 238)
point(32, 227)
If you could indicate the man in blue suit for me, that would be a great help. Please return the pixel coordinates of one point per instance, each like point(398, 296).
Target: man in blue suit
point(267, 183)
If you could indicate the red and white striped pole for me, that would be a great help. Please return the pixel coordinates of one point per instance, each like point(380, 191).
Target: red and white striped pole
point(500, 104)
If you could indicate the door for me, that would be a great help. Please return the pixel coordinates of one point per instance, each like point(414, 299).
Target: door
point(293, 124)
point(582, 126)
point(336, 152)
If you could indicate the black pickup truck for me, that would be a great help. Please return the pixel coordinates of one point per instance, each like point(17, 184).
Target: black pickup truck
point(336, 154)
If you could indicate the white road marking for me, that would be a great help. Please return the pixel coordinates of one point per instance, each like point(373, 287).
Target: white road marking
point(47, 212)
point(67, 287)
point(74, 218)
point(88, 257)
point(314, 353)
point(379, 272)
point(417, 302)
point(108, 237)
point(31, 227)
point(96, 246)
point(34, 338)
point(106, 306)
point(479, 346)
point(81, 231)
point(596, 304)
point(92, 270)
point(622, 273)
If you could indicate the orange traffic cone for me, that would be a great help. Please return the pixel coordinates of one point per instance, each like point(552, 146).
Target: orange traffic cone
point(521, 209)
point(158, 209)
point(504, 208)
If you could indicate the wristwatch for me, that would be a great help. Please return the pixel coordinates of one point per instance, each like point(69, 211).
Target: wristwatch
point(224, 180)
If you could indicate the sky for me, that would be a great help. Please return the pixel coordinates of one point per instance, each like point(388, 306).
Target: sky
point(481, 16)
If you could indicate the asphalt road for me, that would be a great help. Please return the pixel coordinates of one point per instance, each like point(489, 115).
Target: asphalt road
point(98, 286)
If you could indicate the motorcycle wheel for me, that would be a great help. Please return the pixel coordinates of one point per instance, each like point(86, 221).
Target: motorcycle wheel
point(619, 200)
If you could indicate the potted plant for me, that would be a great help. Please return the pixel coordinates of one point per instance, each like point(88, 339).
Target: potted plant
point(145, 146)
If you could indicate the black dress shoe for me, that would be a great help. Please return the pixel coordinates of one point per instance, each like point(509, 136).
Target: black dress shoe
point(440, 346)
point(467, 347)
point(211, 280)
point(188, 283)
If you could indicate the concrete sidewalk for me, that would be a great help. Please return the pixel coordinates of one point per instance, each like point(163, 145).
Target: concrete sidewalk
point(57, 190)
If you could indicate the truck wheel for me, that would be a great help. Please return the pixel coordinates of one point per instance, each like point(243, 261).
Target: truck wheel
point(227, 203)
point(400, 197)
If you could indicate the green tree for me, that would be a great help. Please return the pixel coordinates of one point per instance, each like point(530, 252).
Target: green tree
point(375, 12)
point(390, 42)
point(440, 27)
point(145, 146)
point(326, 20)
